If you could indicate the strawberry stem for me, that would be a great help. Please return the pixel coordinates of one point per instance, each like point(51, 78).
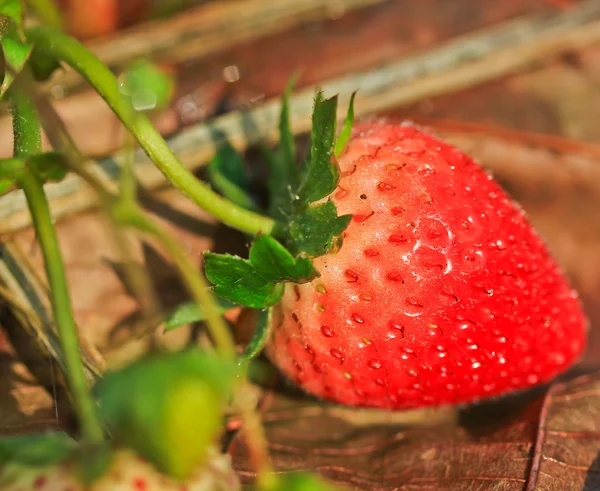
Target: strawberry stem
point(127, 212)
point(27, 141)
point(64, 48)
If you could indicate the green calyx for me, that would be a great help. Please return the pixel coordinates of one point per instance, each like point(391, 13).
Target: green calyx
point(307, 226)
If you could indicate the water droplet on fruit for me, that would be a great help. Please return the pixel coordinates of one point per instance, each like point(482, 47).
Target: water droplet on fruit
point(450, 387)
point(374, 364)
point(358, 319)
point(336, 353)
point(499, 245)
point(413, 303)
point(409, 351)
point(397, 326)
point(532, 379)
point(327, 332)
point(412, 372)
point(501, 360)
point(476, 364)
point(473, 346)
point(501, 339)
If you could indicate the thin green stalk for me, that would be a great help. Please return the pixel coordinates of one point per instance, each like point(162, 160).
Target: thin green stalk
point(62, 47)
point(27, 141)
point(127, 212)
point(48, 12)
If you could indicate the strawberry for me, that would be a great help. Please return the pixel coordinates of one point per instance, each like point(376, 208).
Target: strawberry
point(127, 472)
point(441, 291)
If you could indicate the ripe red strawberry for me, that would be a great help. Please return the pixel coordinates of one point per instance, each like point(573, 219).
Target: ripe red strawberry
point(127, 472)
point(441, 292)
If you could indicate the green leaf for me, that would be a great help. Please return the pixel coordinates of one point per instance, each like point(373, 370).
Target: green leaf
point(5, 185)
point(314, 230)
point(37, 450)
point(168, 407)
point(275, 263)
point(12, 9)
point(147, 85)
point(50, 166)
point(235, 279)
point(229, 176)
point(189, 312)
point(256, 282)
point(93, 461)
point(344, 136)
point(304, 482)
point(14, 47)
point(321, 174)
point(259, 338)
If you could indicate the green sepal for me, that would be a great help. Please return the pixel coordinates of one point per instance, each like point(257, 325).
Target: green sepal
point(229, 176)
point(344, 136)
point(256, 282)
point(147, 85)
point(236, 280)
point(259, 338)
point(37, 450)
point(321, 175)
point(168, 407)
point(189, 312)
point(315, 230)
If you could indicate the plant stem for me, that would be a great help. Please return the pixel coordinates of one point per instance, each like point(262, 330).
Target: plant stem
point(48, 12)
point(27, 141)
point(127, 212)
point(62, 47)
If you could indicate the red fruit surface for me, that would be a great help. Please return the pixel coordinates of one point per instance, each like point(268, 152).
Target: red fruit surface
point(441, 292)
point(90, 18)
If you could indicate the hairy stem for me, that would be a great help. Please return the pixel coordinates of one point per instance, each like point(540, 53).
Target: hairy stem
point(66, 49)
point(27, 141)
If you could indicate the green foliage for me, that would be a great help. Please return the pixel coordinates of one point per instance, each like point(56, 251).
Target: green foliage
point(168, 407)
point(315, 229)
point(344, 136)
point(147, 86)
point(37, 450)
point(49, 166)
point(259, 338)
point(256, 282)
point(189, 312)
point(321, 175)
point(229, 176)
point(15, 49)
